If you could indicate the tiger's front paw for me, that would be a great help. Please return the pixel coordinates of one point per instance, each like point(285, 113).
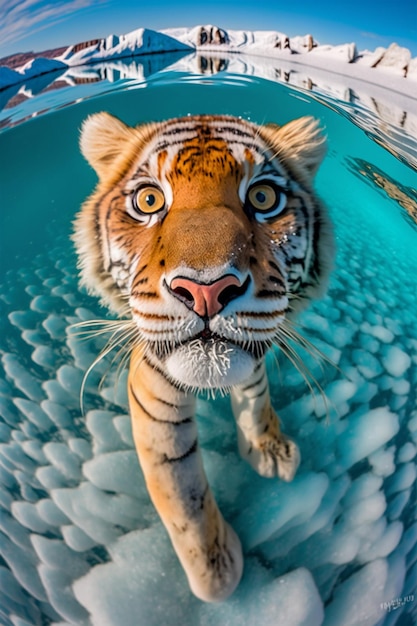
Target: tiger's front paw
point(215, 573)
point(272, 455)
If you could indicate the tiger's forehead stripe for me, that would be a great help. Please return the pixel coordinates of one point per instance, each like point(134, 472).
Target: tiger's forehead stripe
point(234, 133)
point(237, 137)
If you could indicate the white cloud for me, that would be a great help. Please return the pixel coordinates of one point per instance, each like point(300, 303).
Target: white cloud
point(20, 19)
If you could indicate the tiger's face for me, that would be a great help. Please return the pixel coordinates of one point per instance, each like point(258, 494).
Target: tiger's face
point(206, 231)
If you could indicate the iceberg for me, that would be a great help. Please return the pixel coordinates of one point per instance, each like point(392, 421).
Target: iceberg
point(394, 60)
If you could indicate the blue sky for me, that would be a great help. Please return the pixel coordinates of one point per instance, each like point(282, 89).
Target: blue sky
point(41, 24)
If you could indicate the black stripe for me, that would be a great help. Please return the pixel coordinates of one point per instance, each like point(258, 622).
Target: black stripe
point(261, 393)
point(260, 330)
point(180, 128)
point(97, 227)
point(251, 385)
point(234, 130)
point(275, 280)
point(265, 293)
point(261, 314)
point(166, 144)
point(108, 215)
point(155, 316)
point(141, 281)
point(156, 368)
point(142, 269)
point(182, 457)
point(274, 266)
point(185, 420)
point(144, 294)
point(166, 403)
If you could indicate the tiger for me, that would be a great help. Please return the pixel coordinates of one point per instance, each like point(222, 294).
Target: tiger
point(204, 233)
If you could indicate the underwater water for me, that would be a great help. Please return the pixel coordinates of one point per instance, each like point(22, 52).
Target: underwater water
point(80, 541)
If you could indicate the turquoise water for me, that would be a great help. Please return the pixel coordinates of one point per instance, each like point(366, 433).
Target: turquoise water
point(337, 546)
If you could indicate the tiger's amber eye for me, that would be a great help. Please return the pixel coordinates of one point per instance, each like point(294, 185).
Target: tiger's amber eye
point(149, 199)
point(262, 197)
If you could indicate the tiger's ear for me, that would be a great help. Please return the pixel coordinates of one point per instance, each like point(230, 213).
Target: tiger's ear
point(102, 139)
point(300, 143)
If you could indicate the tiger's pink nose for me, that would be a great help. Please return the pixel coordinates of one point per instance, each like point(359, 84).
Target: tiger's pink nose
point(207, 299)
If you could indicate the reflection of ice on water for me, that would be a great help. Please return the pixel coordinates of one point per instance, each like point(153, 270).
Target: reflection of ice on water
point(362, 97)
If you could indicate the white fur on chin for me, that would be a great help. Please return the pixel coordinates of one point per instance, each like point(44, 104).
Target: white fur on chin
point(213, 364)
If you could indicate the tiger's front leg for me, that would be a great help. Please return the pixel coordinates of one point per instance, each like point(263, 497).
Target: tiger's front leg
point(165, 435)
point(261, 441)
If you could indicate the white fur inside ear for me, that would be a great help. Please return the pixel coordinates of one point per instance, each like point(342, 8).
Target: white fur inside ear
point(301, 142)
point(101, 141)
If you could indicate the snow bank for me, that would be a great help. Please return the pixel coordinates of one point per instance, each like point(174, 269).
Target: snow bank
point(395, 60)
point(137, 42)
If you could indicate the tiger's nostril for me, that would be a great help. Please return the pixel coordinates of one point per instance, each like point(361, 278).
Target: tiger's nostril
point(232, 291)
point(183, 294)
point(208, 299)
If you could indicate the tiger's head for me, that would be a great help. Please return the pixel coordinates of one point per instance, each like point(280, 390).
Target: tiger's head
point(206, 232)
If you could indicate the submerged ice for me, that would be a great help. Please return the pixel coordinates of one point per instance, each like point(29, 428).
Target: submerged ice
point(80, 541)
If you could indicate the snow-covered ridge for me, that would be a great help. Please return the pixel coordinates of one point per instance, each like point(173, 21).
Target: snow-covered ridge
point(394, 59)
